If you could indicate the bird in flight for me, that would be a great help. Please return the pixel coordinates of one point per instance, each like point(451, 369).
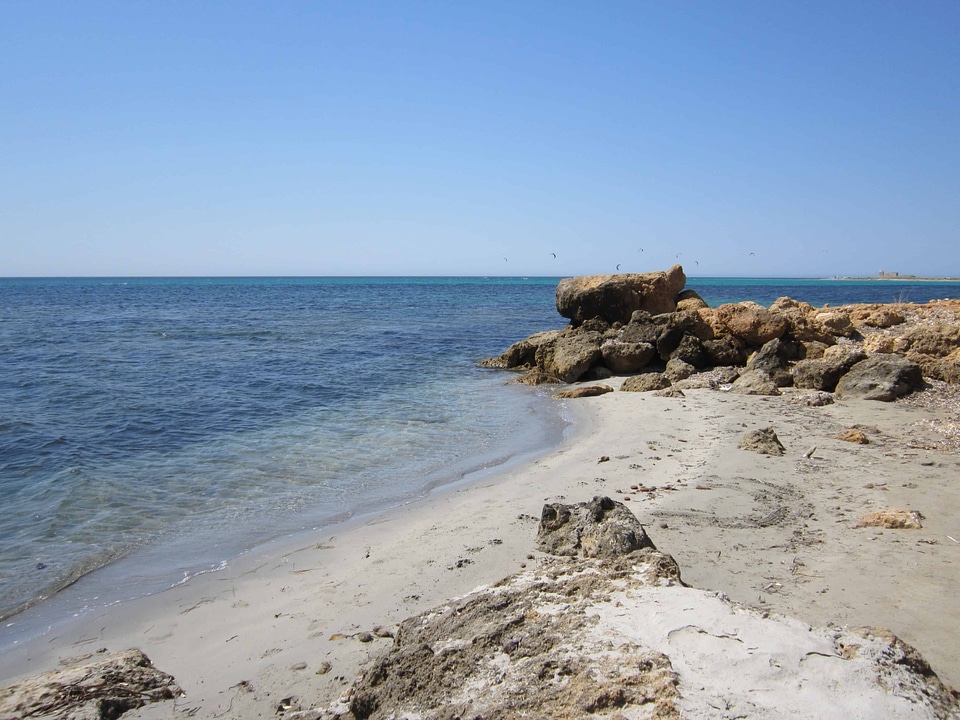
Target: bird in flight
point(554, 255)
point(618, 266)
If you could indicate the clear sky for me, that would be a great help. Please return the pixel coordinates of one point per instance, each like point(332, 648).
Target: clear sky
point(759, 138)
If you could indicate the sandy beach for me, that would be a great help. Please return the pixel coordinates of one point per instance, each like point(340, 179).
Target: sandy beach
point(292, 623)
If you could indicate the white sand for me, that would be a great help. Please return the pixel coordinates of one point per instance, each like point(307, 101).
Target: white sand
point(242, 640)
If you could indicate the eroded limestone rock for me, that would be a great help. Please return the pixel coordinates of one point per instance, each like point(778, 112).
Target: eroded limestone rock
point(599, 528)
point(95, 686)
point(615, 297)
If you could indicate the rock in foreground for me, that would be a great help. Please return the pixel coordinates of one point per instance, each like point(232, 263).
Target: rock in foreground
point(599, 528)
point(621, 637)
point(95, 687)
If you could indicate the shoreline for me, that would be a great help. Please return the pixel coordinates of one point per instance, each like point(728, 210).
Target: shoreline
point(156, 566)
point(241, 640)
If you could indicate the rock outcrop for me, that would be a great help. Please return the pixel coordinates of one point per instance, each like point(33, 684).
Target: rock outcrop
point(599, 528)
point(614, 298)
point(880, 377)
point(94, 686)
point(626, 324)
point(621, 636)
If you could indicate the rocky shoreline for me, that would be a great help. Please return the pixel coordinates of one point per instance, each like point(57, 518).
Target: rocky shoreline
point(646, 325)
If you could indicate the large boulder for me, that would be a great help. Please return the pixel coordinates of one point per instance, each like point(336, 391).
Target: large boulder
point(571, 355)
point(599, 528)
point(938, 340)
point(755, 382)
point(691, 351)
point(824, 373)
point(646, 382)
point(626, 357)
point(751, 323)
point(677, 370)
point(640, 329)
point(880, 377)
point(615, 297)
point(524, 352)
point(939, 368)
point(724, 351)
point(624, 638)
point(802, 324)
point(771, 360)
point(836, 321)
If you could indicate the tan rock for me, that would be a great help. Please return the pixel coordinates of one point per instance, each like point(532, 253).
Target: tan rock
point(616, 297)
point(892, 520)
point(524, 352)
point(645, 382)
point(938, 368)
point(884, 316)
point(537, 377)
point(836, 320)
point(801, 321)
point(670, 392)
point(91, 687)
point(751, 323)
point(690, 300)
point(626, 357)
point(880, 344)
point(938, 340)
point(755, 382)
point(583, 391)
point(853, 435)
point(572, 355)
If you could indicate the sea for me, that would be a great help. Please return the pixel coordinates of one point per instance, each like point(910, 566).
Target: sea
point(151, 429)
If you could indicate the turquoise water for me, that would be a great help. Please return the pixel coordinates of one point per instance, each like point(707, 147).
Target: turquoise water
point(162, 425)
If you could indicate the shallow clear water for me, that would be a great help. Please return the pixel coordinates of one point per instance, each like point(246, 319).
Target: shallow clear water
point(205, 415)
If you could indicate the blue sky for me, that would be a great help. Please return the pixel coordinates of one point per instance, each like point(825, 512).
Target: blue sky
point(419, 138)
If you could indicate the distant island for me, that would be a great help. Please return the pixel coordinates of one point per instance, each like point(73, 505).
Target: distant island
point(884, 275)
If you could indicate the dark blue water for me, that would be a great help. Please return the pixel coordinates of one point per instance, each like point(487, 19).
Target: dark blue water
point(180, 421)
